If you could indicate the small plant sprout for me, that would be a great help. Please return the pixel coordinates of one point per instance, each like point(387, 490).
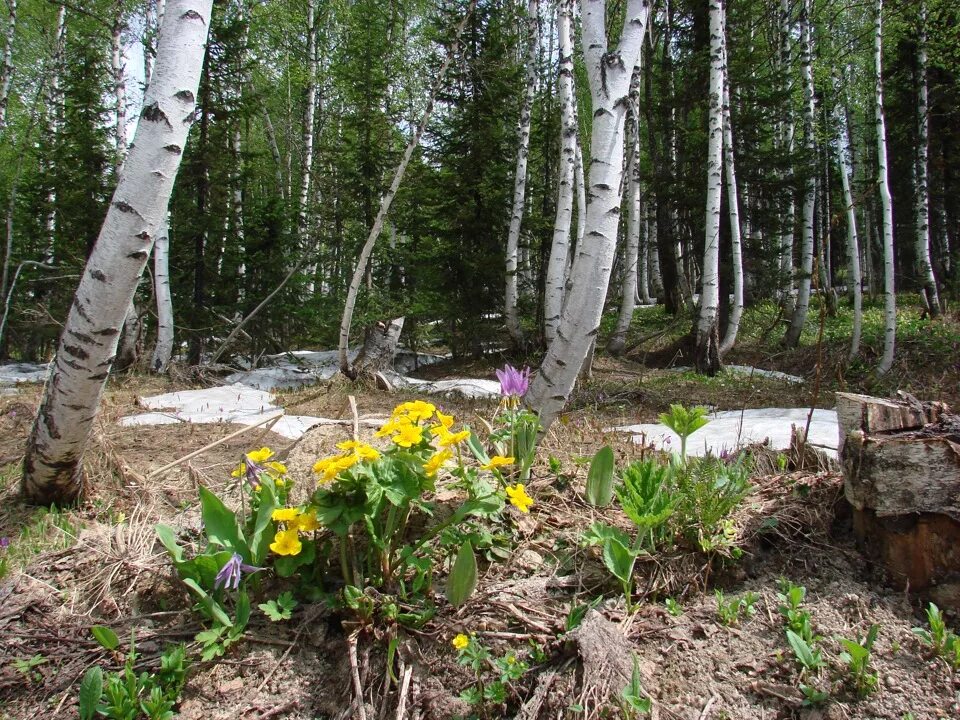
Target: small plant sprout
point(812, 697)
point(856, 656)
point(281, 608)
point(634, 700)
point(487, 689)
point(684, 423)
point(673, 607)
point(791, 598)
point(808, 656)
point(943, 641)
point(731, 611)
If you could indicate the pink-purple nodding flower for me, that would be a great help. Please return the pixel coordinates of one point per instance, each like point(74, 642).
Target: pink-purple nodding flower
point(513, 382)
point(229, 575)
point(4, 543)
point(252, 472)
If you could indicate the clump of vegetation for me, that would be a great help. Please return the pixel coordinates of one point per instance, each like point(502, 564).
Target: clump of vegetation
point(856, 657)
point(939, 638)
point(731, 611)
point(494, 675)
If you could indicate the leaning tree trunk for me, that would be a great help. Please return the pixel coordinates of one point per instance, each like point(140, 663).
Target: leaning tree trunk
point(845, 161)
point(886, 205)
point(51, 470)
point(6, 70)
point(799, 317)
point(736, 312)
point(922, 210)
point(511, 295)
point(360, 269)
point(161, 280)
point(556, 279)
point(609, 88)
point(706, 353)
point(628, 299)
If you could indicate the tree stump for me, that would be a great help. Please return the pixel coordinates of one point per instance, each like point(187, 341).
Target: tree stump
point(379, 348)
point(901, 464)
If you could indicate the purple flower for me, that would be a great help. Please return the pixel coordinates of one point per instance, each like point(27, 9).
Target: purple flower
point(4, 543)
point(252, 471)
point(229, 575)
point(513, 382)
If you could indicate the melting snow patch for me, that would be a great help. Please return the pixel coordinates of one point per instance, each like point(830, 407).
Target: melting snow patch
point(731, 429)
point(16, 373)
point(472, 388)
point(747, 371)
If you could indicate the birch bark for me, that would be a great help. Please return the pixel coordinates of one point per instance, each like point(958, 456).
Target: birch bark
point(706, 337)
point(6, 71)
point(792, 337)
point(556, 278)
point(886, 204)
point(511, 293)
point(609, 74)
point(733, 200)
point(845, 162)
point(922, 209)
point(163, 350)
point(787, 133)
point(52, 464)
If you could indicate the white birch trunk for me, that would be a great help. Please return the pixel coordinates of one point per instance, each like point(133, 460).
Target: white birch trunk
point(787, 133)
point(511, 293)
point(706, 340)
point(52, 464)
point(309, 111)
point(628, 299)
point(609, 75)
point(580, 188)
point(922, 210)
point(886, 204)
point(150, 25)
point(845, 163)
point(799, 317)
point(653, 243)
point(360, 270)
point(556, 277)
point(119, 84)
point(54, 115)
point(6, 71)
point(161, 279)
point(733, 200)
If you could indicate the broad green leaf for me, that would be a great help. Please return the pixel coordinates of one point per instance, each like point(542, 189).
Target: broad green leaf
point(286, 565)
point(208, 603)
point(618, 559)
point(600, 478)
point(91, 690)
point(105, 636)
point(220, 524)
point(263, 527)
point(805, 654)
point(463, 577)
point(168, 538)
point(476, 447)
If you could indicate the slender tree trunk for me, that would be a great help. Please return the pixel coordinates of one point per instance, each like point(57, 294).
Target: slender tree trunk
point(309, 110)
point(706, 336)
point(161, 280)
point(54, 122)
point(922, 211)
point(609, 88)
point(845, 163)
point(367, 249)
point(799, 318)
point(628, 298)
point(511, 295)
point(787, 132)
point(886, 205)
point(580, 188)
point(733, 323)
point(119, 83)
point(150, 24)
point(6, 70)
point(52, 464)
point(556, 279)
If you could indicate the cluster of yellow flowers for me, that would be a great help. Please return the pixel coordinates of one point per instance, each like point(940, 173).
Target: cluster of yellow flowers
point(295, 521)
point(277, 470)
point(353, 452)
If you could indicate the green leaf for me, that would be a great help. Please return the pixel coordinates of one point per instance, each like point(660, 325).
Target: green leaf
point(618, 559)
point(805, 654)
point(286, 565)
point(463, 577)
point(260, 542)
point(220, 524)
point(168, 538)
point(105, 636)
point(91, 690)
point(600, 478)
point(208, 603)
point(476, 447)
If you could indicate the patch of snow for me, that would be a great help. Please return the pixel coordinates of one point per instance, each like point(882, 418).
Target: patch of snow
point(747, 371)
point(731, 429)
point(16, 373)
point(472, 388)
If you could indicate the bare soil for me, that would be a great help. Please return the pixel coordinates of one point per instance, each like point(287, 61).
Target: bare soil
point(99, 563)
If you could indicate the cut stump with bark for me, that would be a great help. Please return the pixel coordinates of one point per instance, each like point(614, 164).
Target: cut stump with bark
point(901, 464)
point(379, 348)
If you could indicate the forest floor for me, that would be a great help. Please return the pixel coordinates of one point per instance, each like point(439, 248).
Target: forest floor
point(100, 563)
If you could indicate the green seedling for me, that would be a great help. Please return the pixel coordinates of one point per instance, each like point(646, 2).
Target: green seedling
point(673, 607)
point(281, 608)
point(634, 700)
point(856, 656)
point(684, 423)
point(25, 666)
point(731, 611)
point(809, 657)
point(812, 697)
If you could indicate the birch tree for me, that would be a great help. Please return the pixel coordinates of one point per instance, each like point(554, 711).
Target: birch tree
point(52, 463)
point(609, 72)
point(706, 354)
point(6, 70)
point(511, 294)
point(556, 278)
point(733, 201)
point(163, 350)
point(786, 132)
point(799, 317)
point(922, 191)
point(886, 203)
point(845, 163)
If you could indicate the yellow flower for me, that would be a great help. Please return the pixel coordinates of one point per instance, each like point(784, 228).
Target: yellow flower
point(330, 467)
point(449, 439)
point(285, 514)
point(360, 449)
point(460, 641)
point(394, 424)
point(519, 498)
point(286, 542)
point(306, 522)
point(432, 465)
point(445, 420)
point(260, 456)
point(409, 436)
point(277, 468)
point(498, 461)
point(239, 472)
point(416, 411)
